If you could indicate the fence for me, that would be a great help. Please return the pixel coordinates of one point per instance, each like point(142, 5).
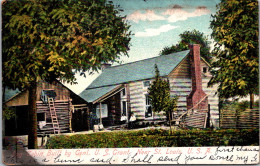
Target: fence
point(239, 119)
point(196, 118)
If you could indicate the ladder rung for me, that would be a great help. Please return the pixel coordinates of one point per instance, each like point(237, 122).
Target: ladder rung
point(55, 124)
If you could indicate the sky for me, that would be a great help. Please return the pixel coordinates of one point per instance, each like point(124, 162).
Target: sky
point(156, 24)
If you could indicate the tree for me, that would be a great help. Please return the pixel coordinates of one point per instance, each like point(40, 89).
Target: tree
point(235, 30)
point(159, 94)
point(190, 37)
point(54, 39)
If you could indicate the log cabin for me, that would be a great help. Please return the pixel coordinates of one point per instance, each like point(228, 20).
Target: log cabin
point(122, 90)
point(59, 110)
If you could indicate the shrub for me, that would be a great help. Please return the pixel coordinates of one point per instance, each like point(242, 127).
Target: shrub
point(237, 105)
point(157, 138)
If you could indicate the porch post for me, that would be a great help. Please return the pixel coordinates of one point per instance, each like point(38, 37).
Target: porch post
point(128, 111)
point(100, 113)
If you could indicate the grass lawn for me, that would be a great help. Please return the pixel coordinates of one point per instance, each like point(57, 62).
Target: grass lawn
point(157, 138)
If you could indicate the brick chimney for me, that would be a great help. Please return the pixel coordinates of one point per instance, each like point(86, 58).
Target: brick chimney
point(197, 93)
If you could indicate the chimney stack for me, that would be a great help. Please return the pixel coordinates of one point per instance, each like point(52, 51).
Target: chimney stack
point(197, 94)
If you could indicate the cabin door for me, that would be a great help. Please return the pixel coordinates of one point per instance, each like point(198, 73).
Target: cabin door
point(124, 111)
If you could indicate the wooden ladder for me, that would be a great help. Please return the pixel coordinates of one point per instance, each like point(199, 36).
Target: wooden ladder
point(54, 118)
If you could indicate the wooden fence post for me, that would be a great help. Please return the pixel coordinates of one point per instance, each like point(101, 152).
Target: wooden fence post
point(208, 118)
point(237, 119)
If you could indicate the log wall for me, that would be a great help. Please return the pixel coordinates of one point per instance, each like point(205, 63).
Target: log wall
point(137, 99)
point(180, 85)
point(182, 71)
point(114, 108)
point(62, 109)
point(137, 92)
point(22, 98)
point(61, 92)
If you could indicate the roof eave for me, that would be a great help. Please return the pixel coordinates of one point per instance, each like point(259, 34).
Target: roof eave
point(14, 96)
point(107, 95)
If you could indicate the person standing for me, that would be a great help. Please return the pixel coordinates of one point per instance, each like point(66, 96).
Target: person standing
point(132, 120)
point(123, 119)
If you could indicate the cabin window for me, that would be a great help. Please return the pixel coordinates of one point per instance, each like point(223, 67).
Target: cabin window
point(104, 111)
point(123, 92)
point(47, 93)
point(146, 83)
point(41, 117)
point(148, 110)
point(205, 69)
point(124, 108)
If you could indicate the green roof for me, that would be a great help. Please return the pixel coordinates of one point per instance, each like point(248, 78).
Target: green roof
point(92, 94)
point(9, 93)
point(139, 70)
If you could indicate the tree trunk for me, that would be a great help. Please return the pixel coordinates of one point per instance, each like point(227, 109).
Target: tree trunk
point(3, 118)
point(170, 119)
point(32, 128)
point(251, 100)
point(88, 120)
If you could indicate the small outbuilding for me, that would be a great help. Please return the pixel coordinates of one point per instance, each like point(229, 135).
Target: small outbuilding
point(59, 110)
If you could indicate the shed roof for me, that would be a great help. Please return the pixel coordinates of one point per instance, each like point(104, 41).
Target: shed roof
point(91, 95)
point(9, 93)
point(139, 70)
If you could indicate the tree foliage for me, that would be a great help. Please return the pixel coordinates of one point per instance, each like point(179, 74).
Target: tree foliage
point(159, 94)
point(8, 112)
point(235, 30)
point(190, 37)
point(54, 39)
point(51, 39)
